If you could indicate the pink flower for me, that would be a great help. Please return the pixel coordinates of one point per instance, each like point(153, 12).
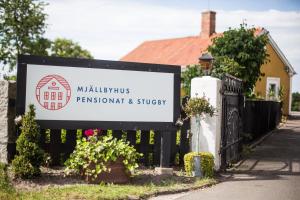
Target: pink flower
point(89, 132)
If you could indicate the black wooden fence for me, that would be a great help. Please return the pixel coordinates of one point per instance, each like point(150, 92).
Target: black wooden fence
point(59, 144)
point(260, 117)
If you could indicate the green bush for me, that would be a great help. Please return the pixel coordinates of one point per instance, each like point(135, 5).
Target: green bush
point(30, 156)
point(5, 185)
point(207, 163)
point(99, 151)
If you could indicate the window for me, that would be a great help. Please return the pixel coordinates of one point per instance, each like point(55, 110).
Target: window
point(46, 105)
point(59, 105)
point(52, 106)
point(272, 88)
point(46, 95)
point(53, 95)
point(60, 94)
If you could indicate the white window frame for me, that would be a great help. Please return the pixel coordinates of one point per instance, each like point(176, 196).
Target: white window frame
point(273, 80)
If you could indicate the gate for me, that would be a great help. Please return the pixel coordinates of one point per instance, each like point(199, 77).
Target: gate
point(232, 105)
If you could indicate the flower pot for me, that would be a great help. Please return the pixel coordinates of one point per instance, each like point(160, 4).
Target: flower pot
point(118, 174)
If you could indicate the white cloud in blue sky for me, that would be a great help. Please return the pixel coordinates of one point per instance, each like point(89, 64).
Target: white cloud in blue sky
point(111, 28)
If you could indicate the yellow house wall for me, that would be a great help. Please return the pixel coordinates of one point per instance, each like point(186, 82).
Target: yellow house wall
point(274, 68)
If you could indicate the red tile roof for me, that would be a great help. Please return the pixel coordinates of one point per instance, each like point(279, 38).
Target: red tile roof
point(178, 51)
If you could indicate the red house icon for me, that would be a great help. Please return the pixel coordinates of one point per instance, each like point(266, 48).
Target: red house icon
point(53, 92)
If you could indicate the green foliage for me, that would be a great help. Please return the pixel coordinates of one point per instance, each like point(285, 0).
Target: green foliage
point(225, 65)
point(5, 185)
point(281, 93)
point(98, 151)
point(151, 138)
point(10, 77)
point(240, 53)
point(188, 74)
point(255, 96)
point(138, 136)
point(295, 101)
point(67, 48)
point(30, 156)
point(198, 106)
point(207, 163)
point(178, 137)
point(271, 94)
point(22, 25)
point(22, 28)
point(63, 135)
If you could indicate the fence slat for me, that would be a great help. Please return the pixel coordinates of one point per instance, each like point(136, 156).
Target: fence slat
point(70, 143)
point(165, 149)
point(173, 147)
point(184, 141)
point(144, 147)
point(43, 138)
point(156, 151)
point(117, 134)
point(131, 137)
point(55, 146)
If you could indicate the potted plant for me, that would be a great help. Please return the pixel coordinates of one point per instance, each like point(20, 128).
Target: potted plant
point(102, 158)
point(197, 106)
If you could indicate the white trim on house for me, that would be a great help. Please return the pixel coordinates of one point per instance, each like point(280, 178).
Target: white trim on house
point(273, 81)
point(291, 70)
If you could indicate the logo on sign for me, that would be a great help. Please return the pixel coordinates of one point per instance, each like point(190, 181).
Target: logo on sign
point(53, 92)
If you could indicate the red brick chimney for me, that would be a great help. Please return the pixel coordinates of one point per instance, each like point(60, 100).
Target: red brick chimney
point(208, 26)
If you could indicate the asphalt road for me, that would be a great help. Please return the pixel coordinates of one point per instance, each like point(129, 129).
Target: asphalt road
point(271, 172)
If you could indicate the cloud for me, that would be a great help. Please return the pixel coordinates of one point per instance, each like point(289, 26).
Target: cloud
point(111, 28)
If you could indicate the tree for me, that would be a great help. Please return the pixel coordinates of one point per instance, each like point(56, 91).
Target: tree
point(295, 101)
point(240, 53)
point(30, 155)
point(187, 75)
point(67, 48)
point(22, 25)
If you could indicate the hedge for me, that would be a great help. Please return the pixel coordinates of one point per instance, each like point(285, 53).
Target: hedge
point(207, 163)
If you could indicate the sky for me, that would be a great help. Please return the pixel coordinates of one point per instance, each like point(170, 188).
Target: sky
point(110, 29)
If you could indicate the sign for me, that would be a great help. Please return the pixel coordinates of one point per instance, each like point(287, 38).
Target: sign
point(82, 93)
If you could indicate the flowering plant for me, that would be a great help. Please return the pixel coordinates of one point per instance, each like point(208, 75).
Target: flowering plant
point(93, 154)
point(91, 132)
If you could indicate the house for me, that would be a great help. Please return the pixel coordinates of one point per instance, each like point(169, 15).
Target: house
point(53, 92)
point(187, 50)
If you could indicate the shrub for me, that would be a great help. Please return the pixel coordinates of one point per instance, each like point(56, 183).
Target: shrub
point(5, 185)
point(207, 163)
point(98, 151)
point(30, 156)
point(198, 106)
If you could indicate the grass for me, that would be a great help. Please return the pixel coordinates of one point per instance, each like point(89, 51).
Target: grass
point(108, 192)
point(6, 189)
point(136, 189)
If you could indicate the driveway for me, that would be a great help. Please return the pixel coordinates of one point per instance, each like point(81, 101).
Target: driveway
point(271, 172)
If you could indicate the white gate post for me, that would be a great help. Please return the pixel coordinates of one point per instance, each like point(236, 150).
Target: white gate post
point(206, 131)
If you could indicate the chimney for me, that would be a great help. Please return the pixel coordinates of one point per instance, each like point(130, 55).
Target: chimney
point(208, 26)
